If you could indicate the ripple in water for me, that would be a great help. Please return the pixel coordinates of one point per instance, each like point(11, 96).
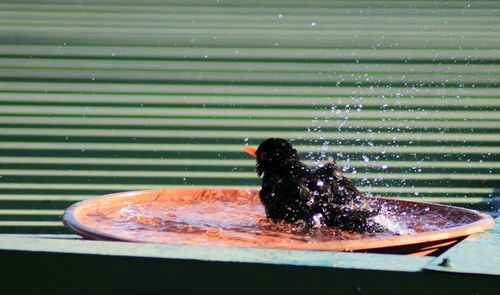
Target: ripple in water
point(239, 220)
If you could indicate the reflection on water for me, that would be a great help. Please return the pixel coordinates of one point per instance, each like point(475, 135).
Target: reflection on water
point(229, 220)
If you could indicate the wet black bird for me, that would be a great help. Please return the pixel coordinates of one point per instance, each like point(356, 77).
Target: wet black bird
point(293, 192)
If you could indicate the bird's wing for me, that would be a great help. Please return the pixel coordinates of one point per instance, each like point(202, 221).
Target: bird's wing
point(341, 203)
point(342, 189)
point(285, 196)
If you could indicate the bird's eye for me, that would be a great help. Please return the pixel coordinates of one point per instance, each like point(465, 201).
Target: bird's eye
point(264, 156)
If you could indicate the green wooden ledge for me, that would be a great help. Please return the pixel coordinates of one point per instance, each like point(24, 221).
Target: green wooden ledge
point(47, 266)
point(477, 254)
point(218, 254)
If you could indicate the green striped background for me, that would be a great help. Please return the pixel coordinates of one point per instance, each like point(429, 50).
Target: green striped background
point(106, 96)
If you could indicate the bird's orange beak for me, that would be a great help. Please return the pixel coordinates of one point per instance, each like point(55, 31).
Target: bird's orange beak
point(251, 151)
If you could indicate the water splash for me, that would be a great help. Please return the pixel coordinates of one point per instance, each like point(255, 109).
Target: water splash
point(239, 220)
point(392, 223)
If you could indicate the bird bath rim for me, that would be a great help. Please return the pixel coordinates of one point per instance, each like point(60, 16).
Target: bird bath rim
point(422, 243)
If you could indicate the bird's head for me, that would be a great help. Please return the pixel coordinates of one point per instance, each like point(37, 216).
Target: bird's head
point(272, 154)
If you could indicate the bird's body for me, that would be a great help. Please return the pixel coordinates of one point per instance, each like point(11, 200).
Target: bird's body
point(293, 192)
point(285, 193)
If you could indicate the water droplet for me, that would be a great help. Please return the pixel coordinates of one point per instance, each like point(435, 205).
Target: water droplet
point(317, 219)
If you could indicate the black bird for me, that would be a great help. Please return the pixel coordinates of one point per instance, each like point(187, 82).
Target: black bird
point(293, 192)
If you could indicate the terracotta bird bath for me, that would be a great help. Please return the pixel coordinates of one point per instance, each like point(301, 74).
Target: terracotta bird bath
point(235, 217)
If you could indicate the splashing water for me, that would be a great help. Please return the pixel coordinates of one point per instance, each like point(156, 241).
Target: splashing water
point(339, 110)
point(392, 223)
point(239, 220)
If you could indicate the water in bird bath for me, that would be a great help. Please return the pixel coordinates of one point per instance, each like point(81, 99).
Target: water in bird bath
point(237, 218)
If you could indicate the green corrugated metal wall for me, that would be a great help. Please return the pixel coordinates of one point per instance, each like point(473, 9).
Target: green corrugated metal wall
point(105, 96)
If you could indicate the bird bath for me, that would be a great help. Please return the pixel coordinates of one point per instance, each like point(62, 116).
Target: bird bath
point(235, 217)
